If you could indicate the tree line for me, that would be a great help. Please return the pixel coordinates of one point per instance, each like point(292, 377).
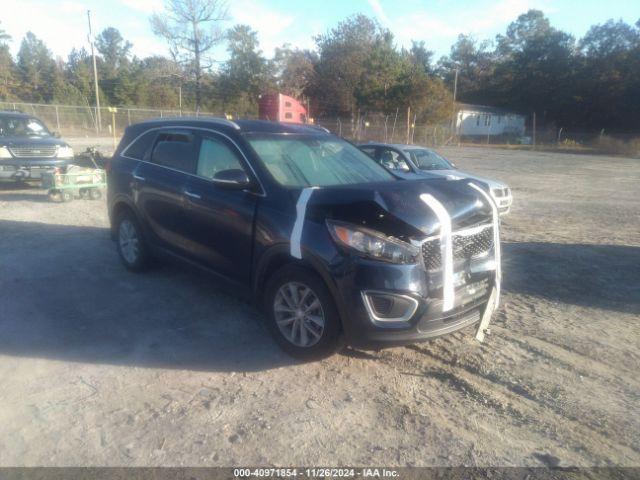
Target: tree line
point(355, 70)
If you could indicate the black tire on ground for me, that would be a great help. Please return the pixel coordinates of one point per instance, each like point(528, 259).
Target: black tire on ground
point(95, 194)
point(66, 195)
point(84, 193)
point(132, 248)
point(331, 339)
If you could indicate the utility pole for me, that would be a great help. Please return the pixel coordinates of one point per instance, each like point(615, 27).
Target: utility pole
point(95, 77)
point(453, 106)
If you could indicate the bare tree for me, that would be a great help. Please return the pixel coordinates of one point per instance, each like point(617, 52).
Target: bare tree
point(192, 28)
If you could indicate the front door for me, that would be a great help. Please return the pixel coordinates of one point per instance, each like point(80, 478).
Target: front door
point(219, 225)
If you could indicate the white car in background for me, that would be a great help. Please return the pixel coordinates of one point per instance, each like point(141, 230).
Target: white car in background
point(409, 161)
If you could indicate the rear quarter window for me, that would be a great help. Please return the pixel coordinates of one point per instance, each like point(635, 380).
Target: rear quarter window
point(139, 147)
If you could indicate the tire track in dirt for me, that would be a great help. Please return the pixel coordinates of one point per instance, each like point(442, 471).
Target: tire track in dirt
point(562, 356)
point(527, 405)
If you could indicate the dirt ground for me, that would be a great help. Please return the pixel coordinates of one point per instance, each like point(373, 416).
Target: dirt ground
point(99, 366)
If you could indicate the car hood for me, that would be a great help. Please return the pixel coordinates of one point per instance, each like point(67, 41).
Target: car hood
point(460, 174)
point(395, 208)
point(9, 141)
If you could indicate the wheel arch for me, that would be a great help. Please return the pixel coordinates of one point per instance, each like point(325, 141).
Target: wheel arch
point(279, 256)
point(118, 207)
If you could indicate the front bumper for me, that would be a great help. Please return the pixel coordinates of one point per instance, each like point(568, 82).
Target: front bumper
point(36, 162)
point(473, 287)
point(29, 168)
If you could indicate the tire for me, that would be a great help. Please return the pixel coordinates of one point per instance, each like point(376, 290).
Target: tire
point(95, 194)
point(66, 195)
point(297, 332)
point(132, 248)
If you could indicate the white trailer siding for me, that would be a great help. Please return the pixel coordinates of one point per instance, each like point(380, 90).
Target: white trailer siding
point(473, 122)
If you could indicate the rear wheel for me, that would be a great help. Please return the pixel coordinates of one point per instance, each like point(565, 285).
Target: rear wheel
point(66, 195)
point(302, 315)
point(95, 194)
point(132, 248)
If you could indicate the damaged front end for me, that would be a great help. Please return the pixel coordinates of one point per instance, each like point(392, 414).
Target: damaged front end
point(414, 259)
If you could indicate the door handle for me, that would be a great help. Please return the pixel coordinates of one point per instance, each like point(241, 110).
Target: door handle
point(192, 195)
point(138, 178)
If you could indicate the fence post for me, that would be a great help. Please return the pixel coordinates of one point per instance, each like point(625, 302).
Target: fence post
point(57, 119)
point(534, 130)
point(128, 116)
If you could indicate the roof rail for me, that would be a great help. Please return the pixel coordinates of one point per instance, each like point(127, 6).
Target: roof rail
point(224, 121)
point(218, 120)
point(318, 127)
point(12, 110)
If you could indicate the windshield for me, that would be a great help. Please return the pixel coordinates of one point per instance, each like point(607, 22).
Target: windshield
point(22, 127)
point(427, 160)
point(307, 160)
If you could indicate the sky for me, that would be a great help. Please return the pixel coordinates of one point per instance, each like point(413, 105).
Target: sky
point(62, 24)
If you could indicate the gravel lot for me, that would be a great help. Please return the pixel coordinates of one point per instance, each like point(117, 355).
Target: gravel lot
point(102, 367)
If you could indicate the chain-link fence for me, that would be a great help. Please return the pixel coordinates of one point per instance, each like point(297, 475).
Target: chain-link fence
point(82, 125)
point(77, 120)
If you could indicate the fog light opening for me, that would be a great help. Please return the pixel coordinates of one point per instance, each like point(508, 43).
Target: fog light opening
point(389, 307)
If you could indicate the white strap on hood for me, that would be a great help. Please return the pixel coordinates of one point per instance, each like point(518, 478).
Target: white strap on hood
point(446, 249)
point(496, 239)
point(301, 210)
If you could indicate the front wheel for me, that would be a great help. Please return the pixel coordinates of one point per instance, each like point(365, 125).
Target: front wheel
point(132, 248)
point(302, 315)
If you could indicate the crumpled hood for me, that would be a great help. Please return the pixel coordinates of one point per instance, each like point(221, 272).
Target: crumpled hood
point(395, 207)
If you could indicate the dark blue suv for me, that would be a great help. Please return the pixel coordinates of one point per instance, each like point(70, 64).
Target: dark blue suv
point(333, 246)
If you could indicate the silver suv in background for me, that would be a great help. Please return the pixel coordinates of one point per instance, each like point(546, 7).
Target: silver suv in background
point(28, 148)
point(412, 161)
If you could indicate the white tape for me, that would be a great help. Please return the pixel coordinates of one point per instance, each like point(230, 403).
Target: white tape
point(496, 240)
point(446, 249)
point(301, 210)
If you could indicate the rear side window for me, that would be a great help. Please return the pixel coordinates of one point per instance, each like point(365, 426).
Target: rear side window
point(140, 147)
point(215, 157)
point(176, 150)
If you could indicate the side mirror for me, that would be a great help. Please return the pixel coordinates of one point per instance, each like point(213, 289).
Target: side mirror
point(56, 134)
point(232, 178)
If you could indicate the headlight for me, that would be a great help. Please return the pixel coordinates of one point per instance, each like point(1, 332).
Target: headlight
point(5, 153)
point(372, 244)
point(65, 152)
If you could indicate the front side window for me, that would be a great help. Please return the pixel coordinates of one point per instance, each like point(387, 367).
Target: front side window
point(215, 156)
point(22, 127)
point(175, 150)
point(427, 160)
point(310, 160)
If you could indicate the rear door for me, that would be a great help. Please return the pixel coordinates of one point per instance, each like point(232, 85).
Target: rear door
point(159, 183)
point(219, 215)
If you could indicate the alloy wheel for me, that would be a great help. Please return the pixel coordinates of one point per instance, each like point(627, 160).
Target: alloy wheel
point(299, 314)
point(128, 240)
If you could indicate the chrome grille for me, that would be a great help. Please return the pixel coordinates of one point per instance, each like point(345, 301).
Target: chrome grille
point(33, 151)
point(467, 244)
